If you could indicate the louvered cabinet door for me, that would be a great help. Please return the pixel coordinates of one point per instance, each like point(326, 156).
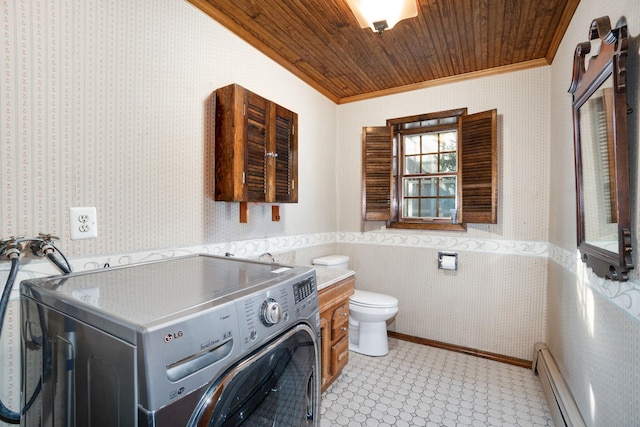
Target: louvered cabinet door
point(256, 121)
point(283, 181)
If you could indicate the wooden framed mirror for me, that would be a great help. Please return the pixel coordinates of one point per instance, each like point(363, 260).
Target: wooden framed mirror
point(601, 150)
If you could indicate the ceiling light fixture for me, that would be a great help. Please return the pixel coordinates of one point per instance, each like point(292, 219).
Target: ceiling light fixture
point(380, 15)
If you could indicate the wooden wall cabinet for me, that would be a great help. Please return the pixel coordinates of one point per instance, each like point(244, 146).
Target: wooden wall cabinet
point(256, 148)
point(334, 328)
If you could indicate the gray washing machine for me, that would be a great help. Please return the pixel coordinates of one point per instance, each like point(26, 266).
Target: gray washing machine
point(197, 340)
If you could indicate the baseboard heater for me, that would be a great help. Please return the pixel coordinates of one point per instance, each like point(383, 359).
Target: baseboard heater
point(562, 407)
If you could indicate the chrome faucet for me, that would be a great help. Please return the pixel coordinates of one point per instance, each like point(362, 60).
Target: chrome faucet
point(270, 257)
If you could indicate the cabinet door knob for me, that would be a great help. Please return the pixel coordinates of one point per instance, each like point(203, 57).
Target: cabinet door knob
point(270, 154)
point(344, 328)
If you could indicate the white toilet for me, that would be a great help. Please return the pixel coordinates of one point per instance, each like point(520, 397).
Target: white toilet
point(368, 314)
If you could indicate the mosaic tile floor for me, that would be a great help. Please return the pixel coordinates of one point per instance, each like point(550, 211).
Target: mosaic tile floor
point(417, 385)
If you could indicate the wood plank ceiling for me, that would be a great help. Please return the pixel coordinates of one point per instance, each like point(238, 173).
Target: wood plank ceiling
point(321, 42)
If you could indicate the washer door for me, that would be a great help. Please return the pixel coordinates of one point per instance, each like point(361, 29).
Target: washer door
point(279, 385)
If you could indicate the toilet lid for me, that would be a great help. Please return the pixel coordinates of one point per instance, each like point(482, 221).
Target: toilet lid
point(372, 299)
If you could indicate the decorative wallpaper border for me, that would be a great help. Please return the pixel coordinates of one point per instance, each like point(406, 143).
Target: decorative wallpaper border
point(408, 239)
point(624, 295)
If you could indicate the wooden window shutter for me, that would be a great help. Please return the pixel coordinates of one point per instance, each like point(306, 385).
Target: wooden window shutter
point(377, 173)
point(479, 167)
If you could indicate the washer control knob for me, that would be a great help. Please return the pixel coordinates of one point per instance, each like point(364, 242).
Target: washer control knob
point(271, 312)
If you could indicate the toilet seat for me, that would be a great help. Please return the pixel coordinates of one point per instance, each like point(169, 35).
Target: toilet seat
point(372, 299)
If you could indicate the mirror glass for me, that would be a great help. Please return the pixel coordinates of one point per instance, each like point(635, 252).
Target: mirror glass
point(598, 155)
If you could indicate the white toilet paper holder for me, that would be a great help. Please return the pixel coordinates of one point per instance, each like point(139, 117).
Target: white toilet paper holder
point(447, 261)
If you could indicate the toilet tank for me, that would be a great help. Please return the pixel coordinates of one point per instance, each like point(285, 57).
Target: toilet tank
point(333, 261)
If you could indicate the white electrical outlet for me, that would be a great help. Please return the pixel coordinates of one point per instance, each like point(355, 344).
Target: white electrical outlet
point(83, 223)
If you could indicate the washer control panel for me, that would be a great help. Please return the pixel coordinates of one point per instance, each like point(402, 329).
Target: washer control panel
point(266, 313)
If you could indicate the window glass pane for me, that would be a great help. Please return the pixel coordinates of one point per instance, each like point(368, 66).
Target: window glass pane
point(448, 162)
point(411, 188)
point(448, 141)
point(445, 207)
point(410, 125)
point(430, 163)
point(412, 145)
point(411, 208)
point(428, 208)
point(449, 120)
point(411, 165)
point(430, 143)
point(429, 187)
point(448, 186)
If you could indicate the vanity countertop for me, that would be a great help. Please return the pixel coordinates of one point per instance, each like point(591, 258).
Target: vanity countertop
point(326, 276)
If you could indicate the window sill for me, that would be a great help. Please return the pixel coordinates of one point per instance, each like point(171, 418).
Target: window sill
point(428, 225)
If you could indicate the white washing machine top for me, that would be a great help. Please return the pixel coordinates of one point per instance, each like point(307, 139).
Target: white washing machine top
point(372, 299)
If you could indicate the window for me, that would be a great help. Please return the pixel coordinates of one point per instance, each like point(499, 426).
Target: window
point(433, 171)
point(429, 174)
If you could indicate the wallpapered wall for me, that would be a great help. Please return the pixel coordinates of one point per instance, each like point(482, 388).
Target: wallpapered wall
point(496, 300)
point(595, 343)
point(104, 104)
point(522, 102)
